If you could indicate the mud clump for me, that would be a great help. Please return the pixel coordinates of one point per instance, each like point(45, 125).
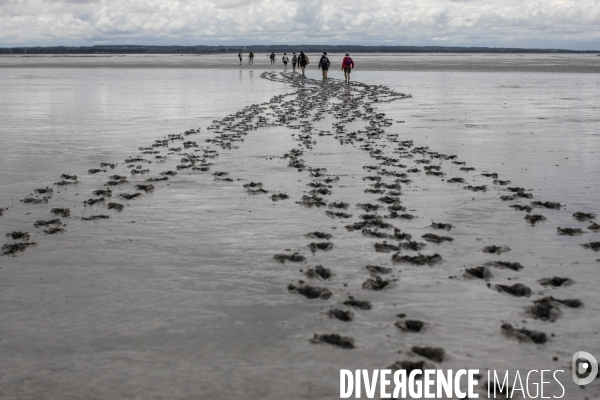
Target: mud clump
point(555, 281)
point(168, 173)
point(410, 325)
point(533, 219)
point(593, 227)
point(63, 212)
point(569, 231)
point(524, 335)
point(342, 315)
point(482, 188)
point(368, 207)
point(490, 175)
point(517, 290)
point(253, 185)
point(319, 272)
point(16, 235)
point(310, 201)
point(280, 196)
point(519, 207)
point(115, 206)
point(2, 211)
point(456, 180)
point(46, 190)
point(115, 182)
point(91, 202)
point(375, 284)
point(164, 178)
point(592, 246)
point(41, 223)
point(412, 245)
point(374, 233)
point(52, 231)
point(94, 171)
point(410, 366)
point(436, 354)
point(547, 204)
point(339, 205)
point(398, 234)
point(580, 216)
point(377, 270)
point(515, 266)
point(107, 165)
point(386, 247)
point(334, 214)
point(360, 304)
point(319, 235)
point(129, 196)
point(106, 192)
point(69, 177)
point(324, 246)
point(95, 217)
point(294, 257)
point(419, 259)
point(441, 225)
point(501, 183)
point(547, 308)
point(430, 237)
point(311, 292)
point(31, 200)
point(493, 249)
point(389, 199)
point(145, 188)
point(479, 272)
point(14, 249)
point(334, 339)
point(65, 183)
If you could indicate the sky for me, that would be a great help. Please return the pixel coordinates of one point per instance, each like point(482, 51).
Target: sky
point(565, 24)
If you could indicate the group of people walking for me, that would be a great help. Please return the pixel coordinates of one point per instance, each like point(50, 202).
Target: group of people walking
point(302, 61)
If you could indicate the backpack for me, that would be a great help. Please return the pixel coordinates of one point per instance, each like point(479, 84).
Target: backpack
point(307, 61)
point(348, 62)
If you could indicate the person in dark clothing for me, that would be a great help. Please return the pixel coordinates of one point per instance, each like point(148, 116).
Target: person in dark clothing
point(302, 62)
point(347, 66)
point(240, 57)
point(272, 56)
point(251, 58)
point(324, 65)
point(294, 61)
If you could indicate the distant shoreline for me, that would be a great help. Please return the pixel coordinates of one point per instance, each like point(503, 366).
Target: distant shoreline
point(141, 49)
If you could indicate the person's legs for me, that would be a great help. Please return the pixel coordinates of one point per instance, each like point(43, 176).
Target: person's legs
point(325, 73)
point(303, 69)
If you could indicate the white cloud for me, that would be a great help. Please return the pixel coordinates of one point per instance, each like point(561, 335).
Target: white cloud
point(511, 23)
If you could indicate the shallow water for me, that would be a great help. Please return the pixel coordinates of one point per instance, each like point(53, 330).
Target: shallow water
point(178, 296)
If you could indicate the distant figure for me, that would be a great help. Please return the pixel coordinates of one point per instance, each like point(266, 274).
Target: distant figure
point(347, 66)
point(324, 64)
point(302, 62)
point(240, 57)
point(251, 58)
point(285, 60)
point(294, 61)
point(272, 56)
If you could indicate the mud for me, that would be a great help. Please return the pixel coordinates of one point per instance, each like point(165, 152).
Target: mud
point(523, 335)
point(534, 219)
point(482, 188)
point(164, 178)
point(95, 217)
point(45, 190)
point(375, 284)
point(339, 205)
point(95, 171)
point(419, 259)
point(16, 248)
point(294, 257)
point(594, 227)
point(410, 325)
point(62, 212)
point(279, 196)
point(519, 207)
point(436, 354)
point(69, 177)
point(581, 216)
point(66, 183)
point(318, 272)
point(547, 204)
point(456, 180)
point(410, 366)
point(377, 270)
point(17, 235)
point(311, 292)
point(555, 281)
point(31, 200)
point(493, 249)
point(479, 272)
point(107, 165)
point(359, 304)
point(334, 214)
point(432, 238)
point(312, 201)
point(127, 196)
point(324, 246)
point(145, 188)
point(52, 231)
point(385, 247)
point(517, 290)
point(334, 339)
point(105, 192)
point(515, 266)
point(441, 225)
point(319, 235)
point(592, 246)
point(42, 223)
point(569, 231)
point(342, 315)
point(115, 206)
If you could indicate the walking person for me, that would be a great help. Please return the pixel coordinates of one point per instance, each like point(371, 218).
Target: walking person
point(251, 58)
point(294, 61)
point(240, 57)
point(272, 56)
point(347, 66)
point(324, 64)
point(285, 60)
point(302, 62)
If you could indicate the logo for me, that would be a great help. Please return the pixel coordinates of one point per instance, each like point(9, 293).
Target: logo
point(585, 368)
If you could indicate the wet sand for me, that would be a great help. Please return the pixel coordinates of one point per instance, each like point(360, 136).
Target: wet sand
point(208, 283)
point(480, 62)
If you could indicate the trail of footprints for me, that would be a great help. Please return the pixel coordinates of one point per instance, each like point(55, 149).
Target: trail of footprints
point(396, 163)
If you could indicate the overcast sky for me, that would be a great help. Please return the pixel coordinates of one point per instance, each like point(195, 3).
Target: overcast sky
point(571, 24)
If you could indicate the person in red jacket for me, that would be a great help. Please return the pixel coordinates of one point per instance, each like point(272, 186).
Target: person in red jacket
point(347, 66)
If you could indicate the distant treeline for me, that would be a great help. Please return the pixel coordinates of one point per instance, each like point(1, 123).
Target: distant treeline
point(131, 49)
